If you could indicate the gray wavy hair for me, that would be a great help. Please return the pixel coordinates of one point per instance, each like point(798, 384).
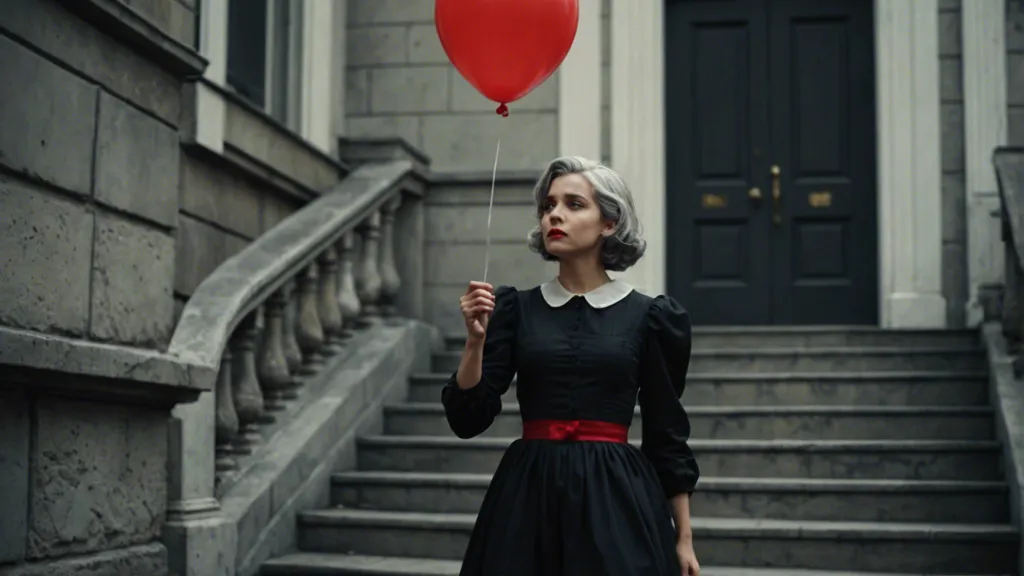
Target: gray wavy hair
point(625, 246)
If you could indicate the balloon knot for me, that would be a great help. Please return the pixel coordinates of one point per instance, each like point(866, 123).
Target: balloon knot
point(503, 110)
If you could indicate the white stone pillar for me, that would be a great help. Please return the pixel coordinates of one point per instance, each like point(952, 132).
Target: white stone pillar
point(984, 77)
point(318, 69)
point(638, 126)
point(909, 163)
point(579, 88)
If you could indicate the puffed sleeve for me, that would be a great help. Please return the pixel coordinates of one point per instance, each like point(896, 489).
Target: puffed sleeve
point(666, 427)
point(470, 412)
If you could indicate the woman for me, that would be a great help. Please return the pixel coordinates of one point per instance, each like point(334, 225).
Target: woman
point(572, 497)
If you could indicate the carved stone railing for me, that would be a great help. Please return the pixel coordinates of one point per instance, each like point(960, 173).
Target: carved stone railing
point(273, 316)
point(1008, 305)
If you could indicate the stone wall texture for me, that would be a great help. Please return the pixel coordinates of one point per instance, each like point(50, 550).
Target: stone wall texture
point(1015, 71)
point(954, 232)
point(399, 82)
point(107, 225)
point(89, 182)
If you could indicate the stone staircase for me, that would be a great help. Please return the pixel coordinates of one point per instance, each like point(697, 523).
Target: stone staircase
point(822, 450)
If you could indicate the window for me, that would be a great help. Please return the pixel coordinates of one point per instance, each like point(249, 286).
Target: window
point(265, 55)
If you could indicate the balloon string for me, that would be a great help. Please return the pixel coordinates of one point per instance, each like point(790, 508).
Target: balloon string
point(490, 210)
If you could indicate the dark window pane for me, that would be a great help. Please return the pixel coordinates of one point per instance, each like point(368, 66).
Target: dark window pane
point(247, 54)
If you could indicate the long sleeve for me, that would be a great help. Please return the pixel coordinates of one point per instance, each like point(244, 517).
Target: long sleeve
point(666, 427)
point(470, 412)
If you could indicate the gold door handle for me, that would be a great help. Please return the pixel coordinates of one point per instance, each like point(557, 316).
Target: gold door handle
point(776, 195)
point(754, 194)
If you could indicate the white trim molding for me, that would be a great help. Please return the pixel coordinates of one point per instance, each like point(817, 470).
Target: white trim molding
point(909, 163)
point(317, 79)
point(213, 45)
point(985, 128)
point(909, 149)
point(638, 126)
point(579, 88)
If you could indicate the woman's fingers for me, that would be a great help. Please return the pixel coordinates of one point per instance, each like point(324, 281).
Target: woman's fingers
point(474, 285)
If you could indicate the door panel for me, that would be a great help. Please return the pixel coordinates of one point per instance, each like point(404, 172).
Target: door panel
point(822, 126)
point(715, 72)
point(758, 85)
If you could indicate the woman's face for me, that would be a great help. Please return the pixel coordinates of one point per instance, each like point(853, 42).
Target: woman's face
point(570, 218)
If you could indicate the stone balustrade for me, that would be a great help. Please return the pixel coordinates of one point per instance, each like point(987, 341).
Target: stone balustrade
point(1007, 303)
point(276, 318)
point(288, 338)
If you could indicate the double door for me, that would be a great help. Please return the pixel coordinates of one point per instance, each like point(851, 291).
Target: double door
point(770, 156)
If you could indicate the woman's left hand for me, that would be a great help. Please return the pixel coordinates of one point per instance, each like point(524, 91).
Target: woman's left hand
point(687, 558)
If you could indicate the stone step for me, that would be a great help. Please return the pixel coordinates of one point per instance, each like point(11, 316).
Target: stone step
point(783, 498)
point(833, 388)
point(894, 547)
point(845, 359)
point(752, 422)
point(852, 459)
point(749, 337)
point(326, 564)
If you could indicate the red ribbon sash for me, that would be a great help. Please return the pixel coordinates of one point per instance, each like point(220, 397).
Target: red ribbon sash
point(579, 430)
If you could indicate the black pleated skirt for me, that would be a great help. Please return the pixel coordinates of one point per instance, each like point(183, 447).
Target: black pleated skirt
point(566, 508)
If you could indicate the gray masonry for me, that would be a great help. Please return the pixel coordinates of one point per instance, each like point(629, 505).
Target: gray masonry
point(109, 218)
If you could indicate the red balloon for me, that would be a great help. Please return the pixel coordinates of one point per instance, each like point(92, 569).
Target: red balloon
point(506, 48)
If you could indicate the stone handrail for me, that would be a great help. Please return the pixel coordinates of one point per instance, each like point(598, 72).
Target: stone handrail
point(1009, 167)
point(267, 318)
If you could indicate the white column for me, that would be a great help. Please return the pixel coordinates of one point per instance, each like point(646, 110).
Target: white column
point(984, 77)
point(208, 130)
point(579, 88)
point(638, 126)
point(338, 73)
point(909, 163)
point(317, 111)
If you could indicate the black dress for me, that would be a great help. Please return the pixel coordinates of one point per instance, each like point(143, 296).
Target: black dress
point(557, 507)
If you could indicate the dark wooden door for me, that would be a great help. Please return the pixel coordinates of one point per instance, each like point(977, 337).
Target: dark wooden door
point(771, 208)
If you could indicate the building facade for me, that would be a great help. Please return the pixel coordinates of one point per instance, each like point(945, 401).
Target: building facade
point(814, 162)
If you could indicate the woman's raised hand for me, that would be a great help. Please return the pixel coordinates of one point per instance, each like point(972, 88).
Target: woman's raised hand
point(477, 304)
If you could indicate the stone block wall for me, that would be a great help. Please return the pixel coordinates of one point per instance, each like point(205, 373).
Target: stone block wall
point(399, 82)
point(221, 211)
point(1015, 71)
point(954, 230)
point(106, 223)
point(89, 181)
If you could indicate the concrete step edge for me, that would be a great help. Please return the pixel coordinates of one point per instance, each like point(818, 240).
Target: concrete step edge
point(311, 563)
point(412, 441)
point(412, 480)
point(879, 376)
point(436, 408)
point(327, 563)
point(734, 527)
point(806, 329)
point(788, 351)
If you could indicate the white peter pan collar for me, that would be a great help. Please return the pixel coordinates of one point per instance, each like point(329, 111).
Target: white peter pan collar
point(602, 297)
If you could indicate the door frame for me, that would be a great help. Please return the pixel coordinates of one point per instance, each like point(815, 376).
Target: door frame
point(909, 156)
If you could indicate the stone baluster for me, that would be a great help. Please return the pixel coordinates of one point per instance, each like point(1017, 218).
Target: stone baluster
point(309, 333)
point(368, 281)
point(248, 397)
point(292, 353)
point(272, 367)
point(390, 281)
point(327, 302)
point(226, 419)
point(348, 300)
